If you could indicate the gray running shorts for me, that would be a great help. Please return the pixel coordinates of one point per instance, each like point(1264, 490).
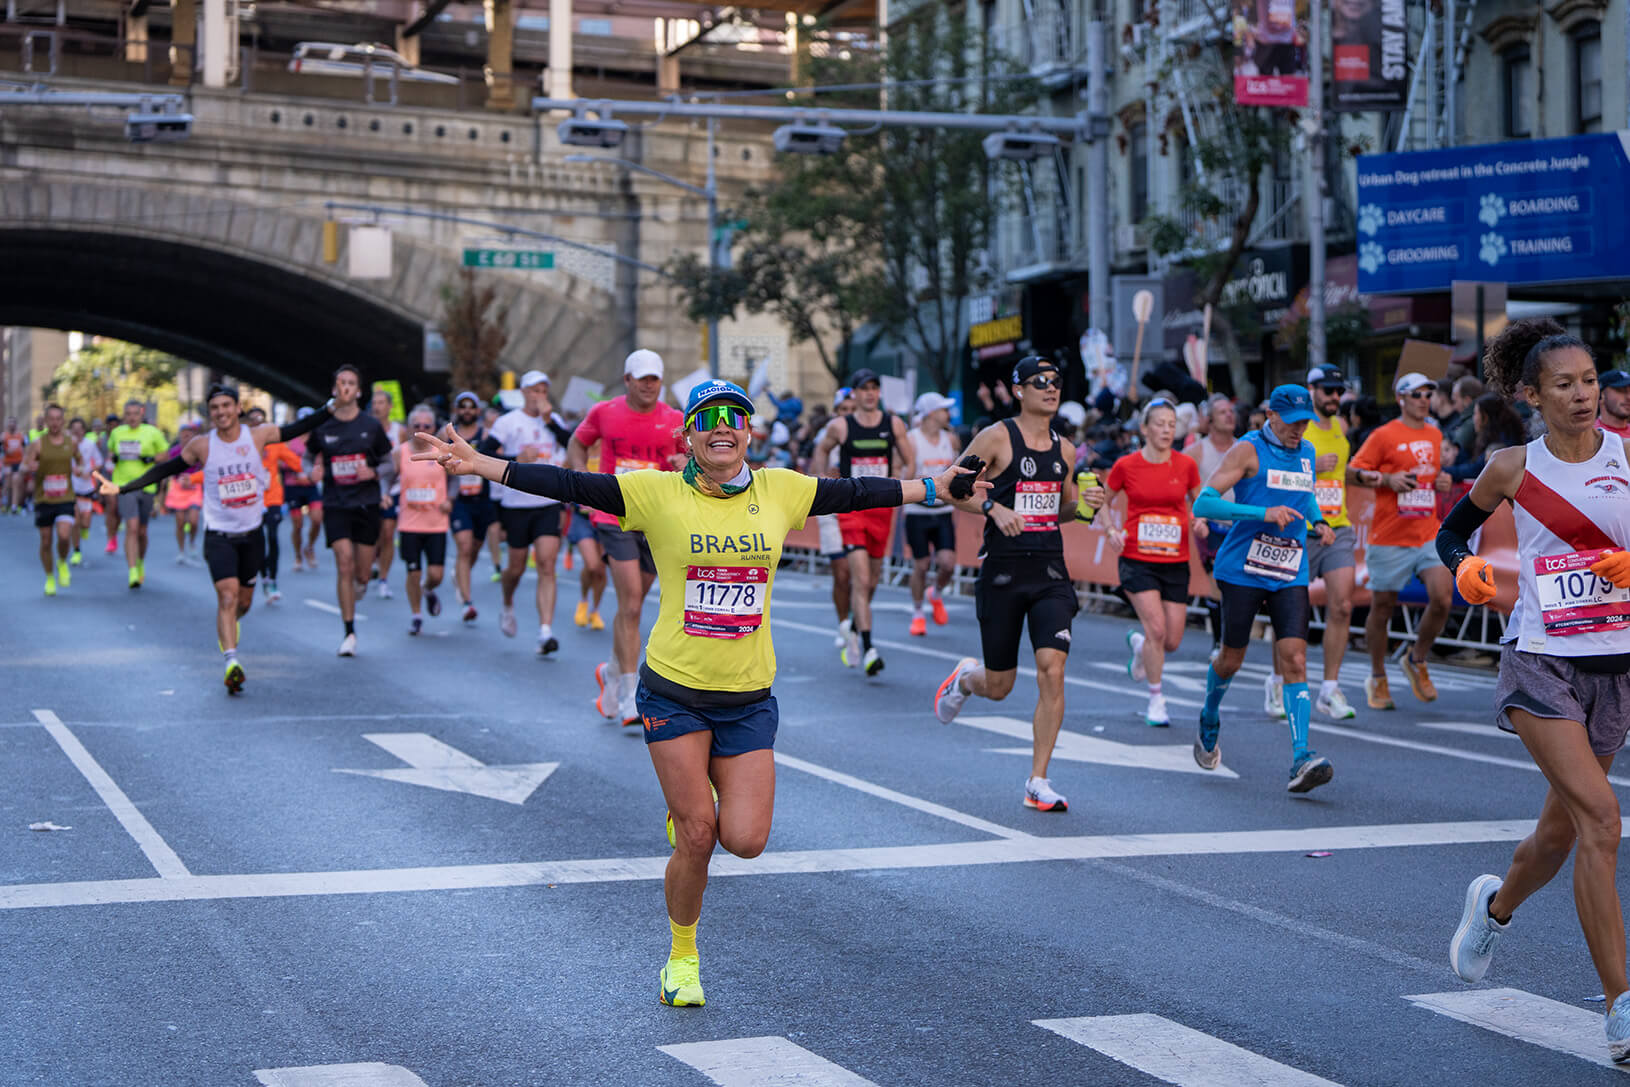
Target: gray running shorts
point(1555, 688)
point(136, 506)
point(1321, 559)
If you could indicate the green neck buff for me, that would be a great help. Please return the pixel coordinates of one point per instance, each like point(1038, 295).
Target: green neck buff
point(696, 478)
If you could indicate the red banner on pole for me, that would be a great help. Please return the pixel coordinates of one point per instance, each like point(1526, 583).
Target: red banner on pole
point(1270, 53)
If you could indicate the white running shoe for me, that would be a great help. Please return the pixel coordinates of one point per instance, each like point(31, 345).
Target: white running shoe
point(872, 662)
point(850, 653)
point(181, 558)
point(1039, 794)
point(949, 698)
point(1273, 695)
point(628, 711)
point(1335, 705)
point(1134, 663)
point(385, 590)
point(506, 622)
point(1472, 947)
point(348, 648)
point(1155, 716)
point(841, 640)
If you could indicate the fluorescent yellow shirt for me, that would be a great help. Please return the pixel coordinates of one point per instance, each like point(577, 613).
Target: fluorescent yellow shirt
point(716, 558)
point(1330, 488)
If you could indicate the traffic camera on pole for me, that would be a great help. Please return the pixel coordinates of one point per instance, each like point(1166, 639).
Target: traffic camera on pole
point(1019, 146)
point(582, 132)
point(800, 139)
point(158, 127)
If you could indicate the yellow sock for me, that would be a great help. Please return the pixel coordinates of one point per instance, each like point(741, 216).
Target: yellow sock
point(684, 939)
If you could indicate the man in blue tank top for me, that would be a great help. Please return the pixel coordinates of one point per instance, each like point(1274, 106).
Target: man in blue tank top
point(1263, 564)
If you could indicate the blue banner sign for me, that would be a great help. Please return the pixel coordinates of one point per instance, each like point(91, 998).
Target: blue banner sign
point(1527, 211)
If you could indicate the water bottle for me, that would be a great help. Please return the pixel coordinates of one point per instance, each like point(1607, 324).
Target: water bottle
point(1083, 480)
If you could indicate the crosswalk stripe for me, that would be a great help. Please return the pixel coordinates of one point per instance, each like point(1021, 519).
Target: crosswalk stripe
point(1526, 1017)
point(762, 1062)
point(372, 1074)
point(1177, 1054)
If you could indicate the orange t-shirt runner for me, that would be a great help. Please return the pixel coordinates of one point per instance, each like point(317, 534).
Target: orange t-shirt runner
point(13, 443)
point(1409, 519)
point(1157, 511)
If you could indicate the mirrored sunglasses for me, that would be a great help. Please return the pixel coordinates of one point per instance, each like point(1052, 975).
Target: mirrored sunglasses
point(709, 416)
point(1043, 381)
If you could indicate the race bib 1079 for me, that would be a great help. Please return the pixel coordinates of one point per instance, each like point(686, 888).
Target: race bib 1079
point(1572, 600)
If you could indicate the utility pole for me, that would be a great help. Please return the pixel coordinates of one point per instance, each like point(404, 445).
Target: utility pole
point(1099, 309)
point(1315, 197)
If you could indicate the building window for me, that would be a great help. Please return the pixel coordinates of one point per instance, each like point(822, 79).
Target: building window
point(1587, 67)
point(1138, 200)
point(1519, 77)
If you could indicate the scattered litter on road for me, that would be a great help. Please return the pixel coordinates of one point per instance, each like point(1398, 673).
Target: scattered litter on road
point(1599, 998)
point(1321, 853)
point(47, 825)
point(1097, 728)
point(167, 692)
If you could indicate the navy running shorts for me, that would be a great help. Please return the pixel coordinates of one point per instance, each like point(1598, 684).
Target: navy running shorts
point(736, 729)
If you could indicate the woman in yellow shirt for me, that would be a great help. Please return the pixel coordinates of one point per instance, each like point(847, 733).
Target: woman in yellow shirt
point(716, 531)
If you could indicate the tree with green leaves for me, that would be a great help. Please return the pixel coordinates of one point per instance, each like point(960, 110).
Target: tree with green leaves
point(1233, 146)
point(887, 230)
point(98, 378)
point(474, 326)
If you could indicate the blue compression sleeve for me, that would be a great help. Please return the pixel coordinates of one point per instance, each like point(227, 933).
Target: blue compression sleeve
point(1313, 514)
point(1211, 506)
point(1298, 708)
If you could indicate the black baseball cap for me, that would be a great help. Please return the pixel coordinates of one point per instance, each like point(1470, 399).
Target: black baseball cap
point(864, 376)
point(1326, 375)
point(1614, 379)
point(1031, 365)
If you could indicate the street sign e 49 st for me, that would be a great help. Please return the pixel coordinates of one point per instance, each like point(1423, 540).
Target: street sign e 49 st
point(523, 260)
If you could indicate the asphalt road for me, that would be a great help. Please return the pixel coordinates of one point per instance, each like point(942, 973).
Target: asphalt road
point(435, 864)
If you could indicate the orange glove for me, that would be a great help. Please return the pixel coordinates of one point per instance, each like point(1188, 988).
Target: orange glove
point(1614, 566)
point(1475, 580)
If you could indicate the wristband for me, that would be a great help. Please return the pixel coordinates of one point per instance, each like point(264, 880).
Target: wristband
point(929, 483)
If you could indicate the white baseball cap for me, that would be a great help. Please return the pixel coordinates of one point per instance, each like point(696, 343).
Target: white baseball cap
point(643, 363)
point(1408, 383)
point(534, 377)
point(928, 402)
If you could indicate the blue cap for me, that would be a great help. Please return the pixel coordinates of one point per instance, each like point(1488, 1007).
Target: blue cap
point(709, 391)
point(1615, 379)
point(1291, 403)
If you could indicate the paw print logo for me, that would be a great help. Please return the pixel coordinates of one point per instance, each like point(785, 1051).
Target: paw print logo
point(1491, 210)
point(1370, 219)
point(1493, 248)
point(1371, 257)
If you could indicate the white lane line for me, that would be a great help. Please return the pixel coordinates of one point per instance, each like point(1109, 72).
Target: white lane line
point(1434, 749)
point(162, 857)
point(372, 1074)
point(1469, 728)
point(762, 1062)
point(803, 862)
point(1527, 1018)
point(1177, 1054)
point(927, 806)
point(332, 609)
point(1076, 747)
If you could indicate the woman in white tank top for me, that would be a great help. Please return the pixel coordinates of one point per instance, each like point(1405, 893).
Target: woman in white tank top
point(1563, 687)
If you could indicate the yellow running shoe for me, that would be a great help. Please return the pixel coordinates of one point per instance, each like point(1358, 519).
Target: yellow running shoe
point(77, 559)
point(50, 585)
point(234, 677)
point(595, 622)
point(64, 578)
point(681, 983)
point(135, 577)
point(582, 615)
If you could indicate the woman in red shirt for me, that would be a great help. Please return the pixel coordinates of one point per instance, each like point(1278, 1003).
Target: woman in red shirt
point(1159, 484)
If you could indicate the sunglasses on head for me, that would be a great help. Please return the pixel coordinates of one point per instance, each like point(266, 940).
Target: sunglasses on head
point(709, 416)
point(1043, 381)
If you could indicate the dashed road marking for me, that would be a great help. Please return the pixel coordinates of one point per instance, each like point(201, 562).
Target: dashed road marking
point(1177, 1054)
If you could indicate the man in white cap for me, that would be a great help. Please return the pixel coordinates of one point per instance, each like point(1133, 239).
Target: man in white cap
point(530, 434)
point(635, 430)
point(931, 530)
point(1401, 460)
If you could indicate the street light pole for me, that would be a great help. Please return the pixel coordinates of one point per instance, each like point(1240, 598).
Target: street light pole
point(1315, 201)
point(708, 192)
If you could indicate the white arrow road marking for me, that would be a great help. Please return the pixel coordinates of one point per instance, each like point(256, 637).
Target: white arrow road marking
point(1177, 1054)
point(372, 1074)
point(435, 765)
point(1075, 747)
point(762, 1062)
point(1526, 1017)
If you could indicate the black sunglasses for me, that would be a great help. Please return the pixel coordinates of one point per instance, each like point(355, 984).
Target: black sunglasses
point(1044, 381)
point(1332, 389)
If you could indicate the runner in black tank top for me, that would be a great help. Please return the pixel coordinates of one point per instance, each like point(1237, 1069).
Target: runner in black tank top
point(876, 450)
point(1023, 578)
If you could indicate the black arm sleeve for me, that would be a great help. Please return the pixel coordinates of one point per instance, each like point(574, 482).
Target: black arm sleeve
point(562, 433)
point(848, 495)
point(290, 431)
point(594, 489)
point(1454, 538)
point(381, 449)
point(163, 470)
point(491, 448)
